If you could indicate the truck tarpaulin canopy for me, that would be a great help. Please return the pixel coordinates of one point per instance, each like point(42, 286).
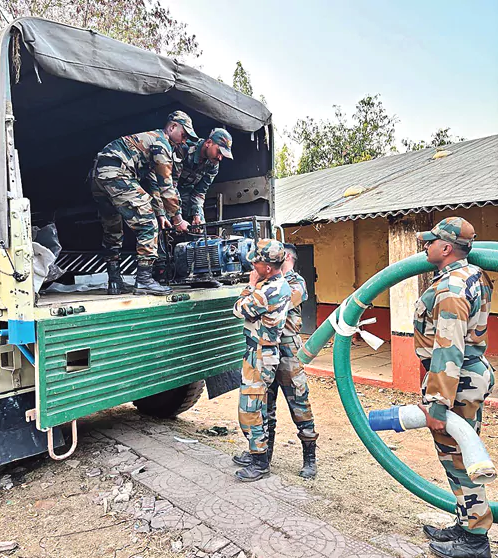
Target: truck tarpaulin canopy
point(74, 90)
point(86, 56)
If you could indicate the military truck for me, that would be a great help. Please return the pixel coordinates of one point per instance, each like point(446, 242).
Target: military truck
point(66, 92)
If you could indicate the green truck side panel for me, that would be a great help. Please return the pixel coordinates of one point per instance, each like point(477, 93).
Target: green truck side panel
point(133, 354)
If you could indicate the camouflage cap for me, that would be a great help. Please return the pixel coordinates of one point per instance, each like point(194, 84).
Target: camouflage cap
point(183, 119)
point(267, 250)
point(223, 138)
point(451, 229)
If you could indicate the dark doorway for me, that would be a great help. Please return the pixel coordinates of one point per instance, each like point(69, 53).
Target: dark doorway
point(306, 267)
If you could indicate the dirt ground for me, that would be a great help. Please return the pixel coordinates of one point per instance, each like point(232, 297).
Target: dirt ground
point(361, 498)
point(56, 509)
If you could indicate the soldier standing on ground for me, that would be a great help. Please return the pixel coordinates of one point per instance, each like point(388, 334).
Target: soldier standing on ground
point(450, 328)
point(263, 305)
point(290, 375)
point(132, 180)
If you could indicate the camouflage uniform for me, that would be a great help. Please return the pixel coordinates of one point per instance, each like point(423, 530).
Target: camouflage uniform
point(450, 328)
point(195, 176)
point(264, 309)
point(290, 375)
point(195, 179)
point(132, 181)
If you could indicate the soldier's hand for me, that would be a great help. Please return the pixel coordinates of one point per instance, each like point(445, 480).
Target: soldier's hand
point(163, 222)
point(254, 278)
point(196, 220)
point(435, 425)
point(182, 226)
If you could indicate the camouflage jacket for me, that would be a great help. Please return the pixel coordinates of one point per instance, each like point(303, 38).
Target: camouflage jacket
point(450, 328)
point(264, 310)
point(194, 178)
point(147, 157)
point(299, 294)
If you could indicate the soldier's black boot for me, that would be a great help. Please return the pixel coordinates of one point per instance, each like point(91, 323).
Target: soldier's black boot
point(146, 284)
point(309, 470)
point(245, 458)
point(445, 534)
point(116, 284)
point(466, 545)
point(257, 469)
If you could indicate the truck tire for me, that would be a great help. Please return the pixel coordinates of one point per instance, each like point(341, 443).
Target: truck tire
point(172, 402)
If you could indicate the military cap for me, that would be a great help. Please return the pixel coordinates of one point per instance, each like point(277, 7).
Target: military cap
point(267, 250)
point(223, 138)
point(451, 229)
point(183, 119)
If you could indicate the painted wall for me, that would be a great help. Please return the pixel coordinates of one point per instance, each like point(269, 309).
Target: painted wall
point(348, 253)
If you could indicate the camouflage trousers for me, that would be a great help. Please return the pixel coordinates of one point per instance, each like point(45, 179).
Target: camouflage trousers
point(291, 378)
point(258, 372)
point(473, 512)
point(122, 198)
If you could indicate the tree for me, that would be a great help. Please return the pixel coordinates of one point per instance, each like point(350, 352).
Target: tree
point(284, 162)
point(242, 80)
point(138, 22)
point(330, 144)
point(441, 137)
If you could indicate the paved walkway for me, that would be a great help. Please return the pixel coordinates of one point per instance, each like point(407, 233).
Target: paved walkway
point(220, 516)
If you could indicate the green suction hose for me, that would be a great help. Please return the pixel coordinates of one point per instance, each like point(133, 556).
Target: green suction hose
point(484, 255)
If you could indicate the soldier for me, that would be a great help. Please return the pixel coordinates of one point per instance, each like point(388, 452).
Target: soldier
point(201, 163)
point(450, 339)
point(263, 305)
point(132, 181)
point(290, 375)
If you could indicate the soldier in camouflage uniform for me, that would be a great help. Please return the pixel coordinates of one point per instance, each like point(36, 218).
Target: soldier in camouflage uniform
point(132, 181)
point(450, 328)
point(199, 167)
point(263, 305)
point(290, 375)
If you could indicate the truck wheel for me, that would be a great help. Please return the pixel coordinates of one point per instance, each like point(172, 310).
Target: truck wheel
point(172, 402)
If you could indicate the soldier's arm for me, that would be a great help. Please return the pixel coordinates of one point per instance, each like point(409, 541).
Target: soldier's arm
point(451, 314)
point(198, 196)
point(157, 201)
point(163, 169)
point(299, 293)
point(251, 304)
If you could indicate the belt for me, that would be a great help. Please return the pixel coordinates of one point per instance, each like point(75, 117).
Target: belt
point(426, 363)
point(254, 345)
point(287, 340)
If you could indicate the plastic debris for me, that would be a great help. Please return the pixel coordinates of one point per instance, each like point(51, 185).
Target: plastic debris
point(186, 441)
point(353, 191)
point(441, 154)
point(215, 431)
point(7, 546)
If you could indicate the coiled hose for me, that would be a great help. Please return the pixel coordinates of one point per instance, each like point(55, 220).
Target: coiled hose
point(483, 254)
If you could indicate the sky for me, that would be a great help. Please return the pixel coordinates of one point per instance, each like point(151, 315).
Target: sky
point(434, 63)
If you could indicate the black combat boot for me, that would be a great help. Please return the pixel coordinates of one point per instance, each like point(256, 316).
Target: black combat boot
point(466, 545)
point(145, 284)
point(116, 284)
point(245, 459)
point(445, 535)
point(309, 460)
point(258, 469)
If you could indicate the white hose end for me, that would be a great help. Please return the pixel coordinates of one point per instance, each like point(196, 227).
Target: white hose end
point(482, 472)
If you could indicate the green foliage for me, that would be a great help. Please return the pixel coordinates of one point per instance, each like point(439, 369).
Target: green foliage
point(284, 162)
point(138, 22)
point(441, 137)
point(332, 143)
point(242, 80)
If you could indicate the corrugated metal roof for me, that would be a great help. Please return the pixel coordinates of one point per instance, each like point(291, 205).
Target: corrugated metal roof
point(394, 185)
